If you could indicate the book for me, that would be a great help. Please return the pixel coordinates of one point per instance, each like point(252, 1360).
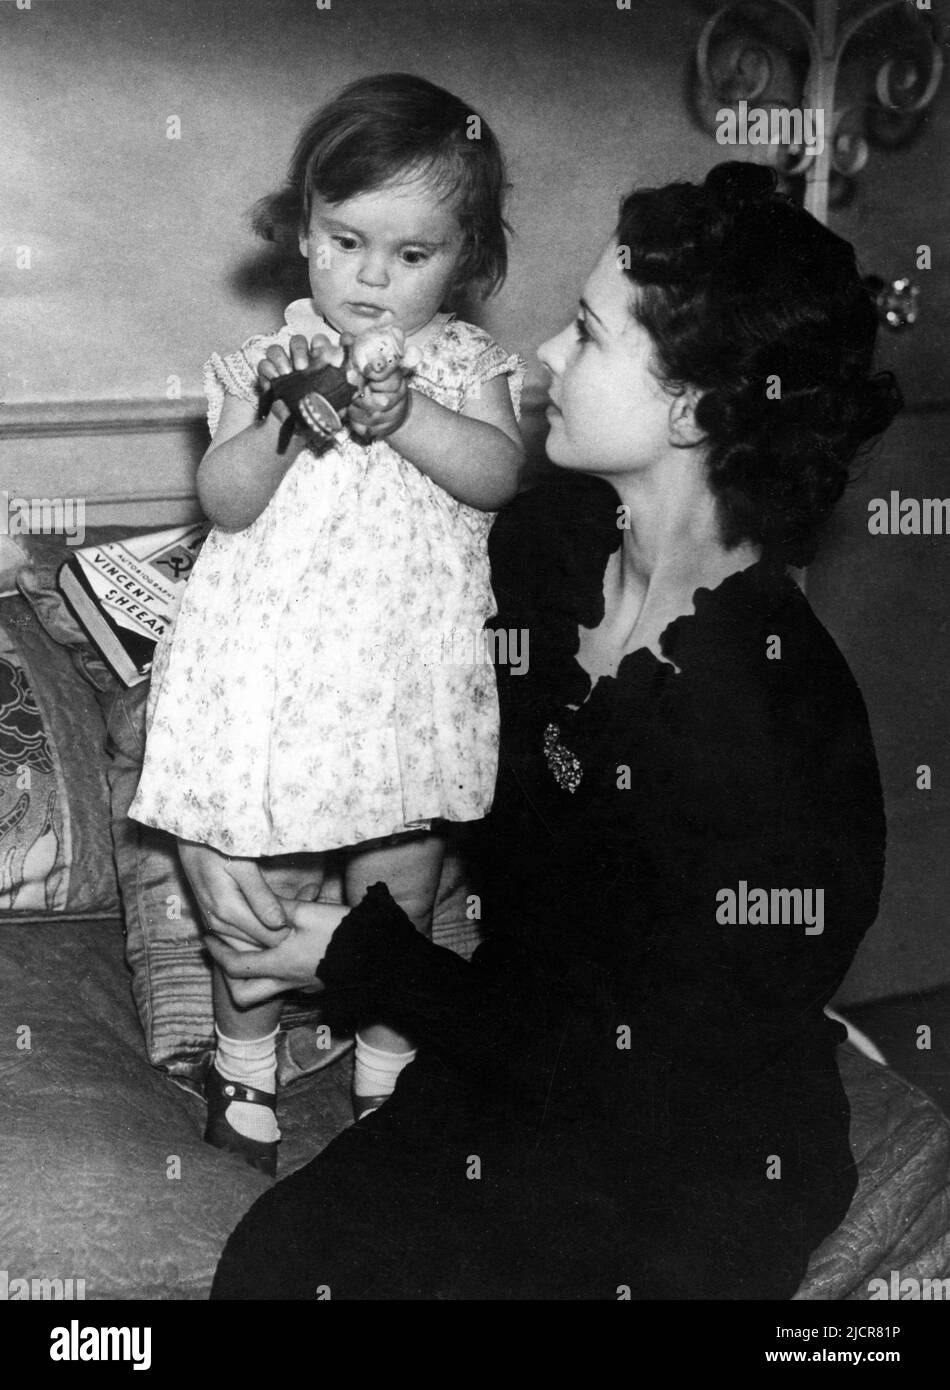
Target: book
point(126, 593)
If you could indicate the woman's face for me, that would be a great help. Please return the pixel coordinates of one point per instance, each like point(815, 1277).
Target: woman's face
point(609, 414)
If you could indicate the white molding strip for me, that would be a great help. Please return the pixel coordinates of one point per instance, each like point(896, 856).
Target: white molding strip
point(142, 415)
point(147, 415)
point(63, 419)
point(95, 449)
point(130, 462)
point(130, 458)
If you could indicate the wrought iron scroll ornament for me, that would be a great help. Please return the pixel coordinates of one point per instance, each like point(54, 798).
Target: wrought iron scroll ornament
point(818, 85)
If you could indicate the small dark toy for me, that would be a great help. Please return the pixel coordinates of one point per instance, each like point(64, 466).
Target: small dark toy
point(316, 398)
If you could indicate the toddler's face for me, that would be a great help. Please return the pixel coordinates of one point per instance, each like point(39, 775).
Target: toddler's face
point(382, 258)
point(609, 414)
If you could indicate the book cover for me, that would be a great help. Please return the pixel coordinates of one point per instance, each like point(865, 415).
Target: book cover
point(126, 593)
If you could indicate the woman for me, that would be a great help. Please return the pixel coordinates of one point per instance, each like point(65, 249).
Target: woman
point(633, 1087)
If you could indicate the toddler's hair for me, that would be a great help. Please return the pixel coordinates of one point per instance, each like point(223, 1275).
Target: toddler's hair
point(390, 127)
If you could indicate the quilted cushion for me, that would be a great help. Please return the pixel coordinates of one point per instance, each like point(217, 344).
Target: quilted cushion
point(103, 1172)
point(899, 1219)
point(55, 849)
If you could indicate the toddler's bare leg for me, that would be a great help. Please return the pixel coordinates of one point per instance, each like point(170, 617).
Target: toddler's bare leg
point(235, 1022)
point(411, 869)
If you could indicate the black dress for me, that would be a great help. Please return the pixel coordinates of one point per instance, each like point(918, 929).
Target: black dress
point(633, 1087)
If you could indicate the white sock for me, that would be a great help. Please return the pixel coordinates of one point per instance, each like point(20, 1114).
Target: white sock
point(376, 1070)
point(251, 1062)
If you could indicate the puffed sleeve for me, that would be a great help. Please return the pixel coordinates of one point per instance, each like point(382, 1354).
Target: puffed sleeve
point(492, 360)
point(232, 375)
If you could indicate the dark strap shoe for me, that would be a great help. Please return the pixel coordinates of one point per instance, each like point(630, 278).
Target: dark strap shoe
point(220, 1093)
point(365, 1105)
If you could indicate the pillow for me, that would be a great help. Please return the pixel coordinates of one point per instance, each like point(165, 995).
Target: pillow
point(14, 557)
point(171, 975)
point(38, 582)
point(55, 849)
point(898, 1224)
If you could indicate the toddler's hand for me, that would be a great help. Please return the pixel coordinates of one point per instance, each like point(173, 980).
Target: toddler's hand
point(382, 406)
point(234, 897)
point(320, 353)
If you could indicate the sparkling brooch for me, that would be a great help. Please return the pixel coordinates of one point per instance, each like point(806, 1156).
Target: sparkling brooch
point(565, 768)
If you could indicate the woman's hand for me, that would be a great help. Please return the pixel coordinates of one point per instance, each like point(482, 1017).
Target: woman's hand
point(234, 896)
point(254, 976)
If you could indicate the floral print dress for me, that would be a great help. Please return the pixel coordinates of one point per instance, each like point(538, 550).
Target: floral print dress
point(325, 682)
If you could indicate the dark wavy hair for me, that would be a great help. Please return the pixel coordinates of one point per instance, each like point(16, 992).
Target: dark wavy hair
point(391, 126)
point(752, 302)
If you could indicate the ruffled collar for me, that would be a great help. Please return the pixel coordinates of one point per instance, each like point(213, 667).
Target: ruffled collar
point(301, 317)
point(549, 551)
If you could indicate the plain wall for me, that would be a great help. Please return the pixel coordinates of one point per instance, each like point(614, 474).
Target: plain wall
point(140, 244)
point(142, 261)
